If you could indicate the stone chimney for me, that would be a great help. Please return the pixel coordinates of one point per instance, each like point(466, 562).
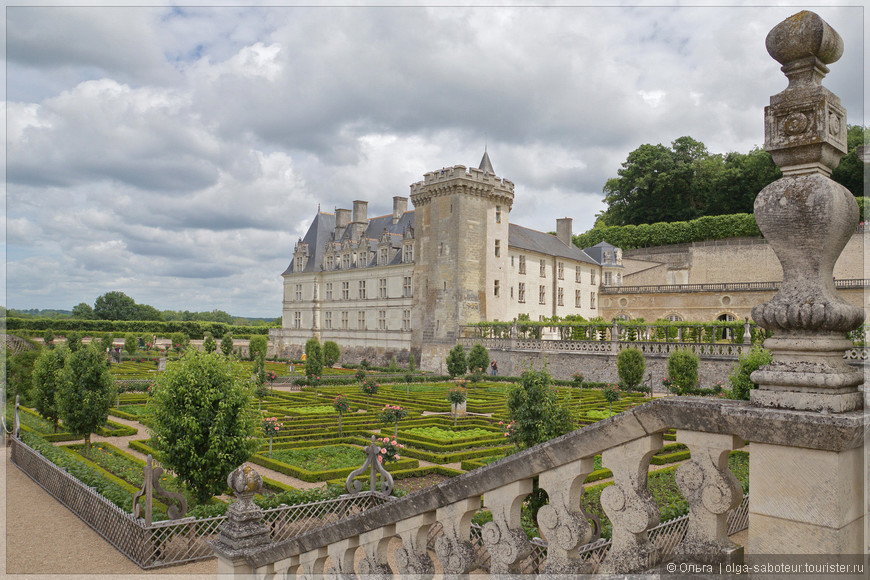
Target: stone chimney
point(342, 219)
point(564, 231)
point(360, 211)
point(400, 206)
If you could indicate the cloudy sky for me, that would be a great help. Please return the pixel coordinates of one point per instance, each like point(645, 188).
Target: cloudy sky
point(177, 154)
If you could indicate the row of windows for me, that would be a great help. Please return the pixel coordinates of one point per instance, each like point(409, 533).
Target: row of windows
point(332, 290)
point(342, 320)
point(560, 268)
point(349, 260)
point(542, 295)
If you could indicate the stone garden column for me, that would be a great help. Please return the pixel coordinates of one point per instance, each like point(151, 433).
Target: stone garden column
point(244, 532)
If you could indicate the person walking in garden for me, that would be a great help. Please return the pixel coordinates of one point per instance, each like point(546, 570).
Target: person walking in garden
point(494, 368)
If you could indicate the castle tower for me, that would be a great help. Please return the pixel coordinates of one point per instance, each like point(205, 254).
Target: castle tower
point(461, 255)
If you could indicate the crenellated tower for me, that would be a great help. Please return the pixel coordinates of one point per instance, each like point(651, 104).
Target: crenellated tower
point(461, 254)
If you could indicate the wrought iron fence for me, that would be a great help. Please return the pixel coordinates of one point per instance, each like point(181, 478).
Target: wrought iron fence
point(172, 542)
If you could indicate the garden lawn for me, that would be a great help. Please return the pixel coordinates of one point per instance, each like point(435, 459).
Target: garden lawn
point(322, 458)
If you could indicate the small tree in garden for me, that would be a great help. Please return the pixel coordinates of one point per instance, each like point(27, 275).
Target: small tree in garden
point(741, 383)
point(314, 382)
point(313, 358)
point(611, 395)
point(360, 376)
point(131, 343)
point(85, 394)
point(369, 388)
point(535, 410)
point(48, 338)
point(478, 359)
point(180, 341)
point(227, 344)
point(683, 370)
point(271, 376)
point(47, 380)
point(73, 341)
point(456, 363)
point(340, 404)
point(392, 414)
point(257, 346)
point(577, 381)
point(411, 362)
point(271, 427)
point(331, 353)
point(209, 344)
point(389, 450)
point(408, 378)
point(630, 365)
point(456, 396)
point(202, 422)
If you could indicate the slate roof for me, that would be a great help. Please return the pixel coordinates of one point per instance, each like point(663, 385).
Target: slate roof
point(535, 241)
point(596, 252)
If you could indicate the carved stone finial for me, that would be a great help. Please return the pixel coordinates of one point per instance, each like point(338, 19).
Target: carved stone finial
point(244, 531)
point(807, 219)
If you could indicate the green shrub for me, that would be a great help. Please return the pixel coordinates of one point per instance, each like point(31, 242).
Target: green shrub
point(664, 233)
point(456, 361)
point(630, 366)
point(748, 362)
point(209, 344)
point(683, 369)
point(313, 358)
point(478, 359)
point(331, 353)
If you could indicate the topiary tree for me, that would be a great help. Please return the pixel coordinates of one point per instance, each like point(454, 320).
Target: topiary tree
point(747, 363)
point(456, 396)
point(478, 359)
point(456, 364)
point(73, 341)
point(340, 404)
point(313, 358)
point(131, 343)
point(535, 409)
point(86, 393)
point(630, 365)
point(369, 388)
point(611, 394)
point(331, 353)
point(683, 370)
point(47, 380)
point(227, 344)
point(202, 423)
point(393, 414)
point(411, 362)
point(209, 344)
point(257, 346)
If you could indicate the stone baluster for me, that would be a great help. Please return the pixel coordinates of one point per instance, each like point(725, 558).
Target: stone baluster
point(563, 521)
point(312, 564)
point(413, 557)
point(747, 332)
point(504, 537)
point(454, 548)
point(342, 554)
point(374, 565)
point(630, 506)
point(712, 490)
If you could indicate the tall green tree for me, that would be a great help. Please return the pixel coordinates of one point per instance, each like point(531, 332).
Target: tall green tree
point(456, 361)
point(313, 358)
point(227, 344)
point(83, 311)
point(331, 353)
point(115, 306)
point(478, 359)
point(536, 411)
point(258, 346)
point(202, 422)
point(19, 374)
point(630, 365)
point(47, 381)
point(86, 393)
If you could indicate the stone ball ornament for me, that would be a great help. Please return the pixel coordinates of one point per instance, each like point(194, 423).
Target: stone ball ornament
point(804, 35)
point(244, 480)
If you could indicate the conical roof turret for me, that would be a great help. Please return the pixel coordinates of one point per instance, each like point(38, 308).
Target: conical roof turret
point(486, 164)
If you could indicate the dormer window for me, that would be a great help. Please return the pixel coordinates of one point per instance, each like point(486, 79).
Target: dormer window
point(408, 253)
point(384, 256)
point(300, 263)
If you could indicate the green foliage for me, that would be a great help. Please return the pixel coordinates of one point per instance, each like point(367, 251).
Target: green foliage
point(257, 347)
point(201, 420)
point(115, 306)
point(73, 341)
point(457, 395)
point(630, 366)
point(48, 338)
point(536, 411)
point(850, 172)
point(411, 363)
point(331, 353)
point(748, 362)
point(209, 344)
point(131, 343)
point(86, 393)
point(47, 381)
point(180, 341)
point(313, 358)
point(19, 374)
point(683, 369)
point(440, 434)
point(107, 342)
point(83, 311)
point(478, 359)
point(456, 362)
point(227, 344)
point(194, 329)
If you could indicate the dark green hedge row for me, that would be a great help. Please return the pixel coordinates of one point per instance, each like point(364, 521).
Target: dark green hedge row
point(316, 476)
point(193, 329)
point(442, 458)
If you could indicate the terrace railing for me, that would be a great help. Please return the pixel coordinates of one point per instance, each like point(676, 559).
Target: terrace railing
point(720, 287)
point(710, 429)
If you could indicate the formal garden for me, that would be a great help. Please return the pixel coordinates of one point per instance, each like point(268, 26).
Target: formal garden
point(304, 421)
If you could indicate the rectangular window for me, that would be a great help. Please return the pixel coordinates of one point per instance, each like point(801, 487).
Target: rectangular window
point(344, 319)
point(300, 264)
point(560, 297)
point(345, 261)
point(543, 268)
point(345, 290)
point(329, 290)
point(297, 320)
point(521, 292)
point(362, 289)
point(577, 300)
point(363, 260)
point(298, 292)
point(512, 261)
point(406, 287)
point(382, 288)
point(406, 320)
point(592, 277)
point(498, 214)
point(384, 256)
point(327, 320)
point(577, 272)
point(592, 300)
point(408, 253)
point(495, 288)
point(382, 319)
point(608, 278)
point(497, 248)
point(330, 260)
point(361, 320)
point(542, 294)
point(522, 264)
point(561, 270)
point(512, 292)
